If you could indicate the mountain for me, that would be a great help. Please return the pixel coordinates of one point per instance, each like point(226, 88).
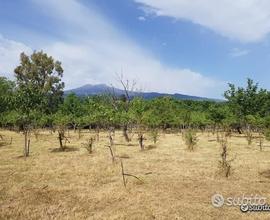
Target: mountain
point(99, 89)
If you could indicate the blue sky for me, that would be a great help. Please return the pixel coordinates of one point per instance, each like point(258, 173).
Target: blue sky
point(190, 47)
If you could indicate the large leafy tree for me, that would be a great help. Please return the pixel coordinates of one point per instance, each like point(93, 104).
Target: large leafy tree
point(39, 82)
point(39, 89)
point(248, 101)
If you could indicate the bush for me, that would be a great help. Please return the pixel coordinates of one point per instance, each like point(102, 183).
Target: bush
point(190, 139)
point(224, 163)
point(89, 145)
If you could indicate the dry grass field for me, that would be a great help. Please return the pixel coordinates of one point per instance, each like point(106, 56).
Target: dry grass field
point(176, 183)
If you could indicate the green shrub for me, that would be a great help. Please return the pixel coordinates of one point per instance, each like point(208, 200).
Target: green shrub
point(267, 134)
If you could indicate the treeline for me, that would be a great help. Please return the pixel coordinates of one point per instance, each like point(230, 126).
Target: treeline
point(35, 99)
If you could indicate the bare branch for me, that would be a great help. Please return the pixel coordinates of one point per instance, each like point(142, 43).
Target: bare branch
point(123, 174)
point(111, 151)
point(127, 174)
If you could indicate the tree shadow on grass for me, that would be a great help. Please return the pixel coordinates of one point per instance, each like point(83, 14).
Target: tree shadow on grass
point(123, 156)
point(125, 144)
point(212, 140)
point(22, 157)
point(150, 147)
point(265, 174)
point(66, 149)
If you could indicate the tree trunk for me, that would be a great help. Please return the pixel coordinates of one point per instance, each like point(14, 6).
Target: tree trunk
point(60, 137)
point(26, 143)
point(239, 129)
point(28, 147)
point(111, 140)
point(141, 141)
point(80, 133)
point(125, 129)
point(111, 135)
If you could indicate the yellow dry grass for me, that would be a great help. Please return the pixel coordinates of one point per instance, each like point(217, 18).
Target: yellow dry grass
point(177, 183)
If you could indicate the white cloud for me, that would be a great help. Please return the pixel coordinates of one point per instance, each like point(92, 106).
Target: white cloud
point(236, 52)
point(243, 20)
point(9, 55)
point(96, 51)
point(141, 18)
point(86, 64)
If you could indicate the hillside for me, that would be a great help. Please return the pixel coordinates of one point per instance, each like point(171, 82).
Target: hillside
point(90, 90)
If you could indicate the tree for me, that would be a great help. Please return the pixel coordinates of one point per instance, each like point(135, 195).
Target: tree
point(167, 110)
point(39, 74)
point(6, 94)
point(122, 103)
point(248, 101)
point(60, 123)
point(73, 107)
point(39, 88)
point(217, 114)
point(138, 108)
point(100, 113)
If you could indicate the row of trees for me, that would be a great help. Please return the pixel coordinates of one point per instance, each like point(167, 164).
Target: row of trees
point(35, 99)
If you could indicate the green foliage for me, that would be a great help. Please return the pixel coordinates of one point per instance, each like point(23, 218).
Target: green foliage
point(37, 94)
point(38, 80)
point(218, 113)
point(198, 119)
point(11, 119)
point(73, 109)
point(248, 101)
point(138, 108)
point(154, 134)
point(60, 119)
point(267, 134)
point(151, 119)
point(35, 100)
point(6, 94)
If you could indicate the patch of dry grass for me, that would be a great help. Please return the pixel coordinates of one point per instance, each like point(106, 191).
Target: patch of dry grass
point(177, 184)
